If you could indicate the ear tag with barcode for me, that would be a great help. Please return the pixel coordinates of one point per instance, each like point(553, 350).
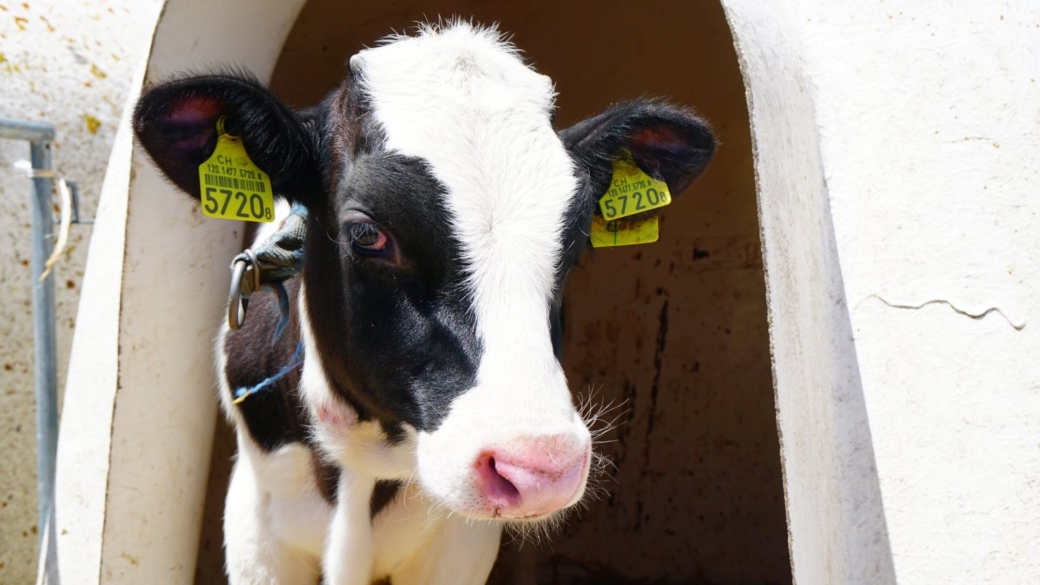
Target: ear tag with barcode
point(232, 186)
point(632, 191)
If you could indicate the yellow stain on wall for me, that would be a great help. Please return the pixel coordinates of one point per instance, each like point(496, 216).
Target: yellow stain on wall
point(92, 123)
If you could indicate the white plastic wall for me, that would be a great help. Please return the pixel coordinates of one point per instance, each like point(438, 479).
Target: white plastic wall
point(897, 147)
point(140, 401)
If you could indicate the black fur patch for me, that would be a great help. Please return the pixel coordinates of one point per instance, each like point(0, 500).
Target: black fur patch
point(327, 476)
point(383, 494)
point(398, 340)
point(275, 416)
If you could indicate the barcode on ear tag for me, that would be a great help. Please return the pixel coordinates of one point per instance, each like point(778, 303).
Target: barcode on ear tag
point(232, 187)
point(623, 232)
point(632, 191)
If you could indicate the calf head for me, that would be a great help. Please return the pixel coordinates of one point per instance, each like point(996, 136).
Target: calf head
point(444, 215)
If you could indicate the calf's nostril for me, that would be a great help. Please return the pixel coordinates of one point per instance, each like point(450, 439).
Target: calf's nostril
point(498, 489)
point(530, 479)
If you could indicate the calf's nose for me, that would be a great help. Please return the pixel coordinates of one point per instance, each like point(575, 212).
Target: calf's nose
point(532, 477)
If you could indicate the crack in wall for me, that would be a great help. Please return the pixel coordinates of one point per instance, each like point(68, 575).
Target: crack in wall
point(978, 316)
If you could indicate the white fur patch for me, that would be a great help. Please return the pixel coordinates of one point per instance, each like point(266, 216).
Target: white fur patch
point(349, 556)
point(272, 508)
point(460, 98)
point(420, 545)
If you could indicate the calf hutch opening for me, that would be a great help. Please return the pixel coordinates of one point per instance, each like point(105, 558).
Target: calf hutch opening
point(673, 334)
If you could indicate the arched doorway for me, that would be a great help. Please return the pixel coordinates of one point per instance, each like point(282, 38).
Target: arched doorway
point(677, 331)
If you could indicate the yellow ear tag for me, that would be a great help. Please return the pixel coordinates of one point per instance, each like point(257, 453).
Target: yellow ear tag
point(623, 232)
point(632, 191)
point(232, 186)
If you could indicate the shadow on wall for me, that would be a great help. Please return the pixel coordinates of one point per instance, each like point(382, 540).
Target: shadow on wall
point(866, 555)
point(675, 332)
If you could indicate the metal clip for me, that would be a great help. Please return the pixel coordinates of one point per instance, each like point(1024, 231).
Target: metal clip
point(236, 308)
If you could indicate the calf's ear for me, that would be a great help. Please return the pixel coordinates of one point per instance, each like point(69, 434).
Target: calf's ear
point(176, 122)
point(667, 142)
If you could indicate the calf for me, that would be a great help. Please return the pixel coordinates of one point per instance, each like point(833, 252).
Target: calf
point(416, 402)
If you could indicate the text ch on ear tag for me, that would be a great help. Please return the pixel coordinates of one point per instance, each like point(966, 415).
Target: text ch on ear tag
point(232, 187)
point(632, 191)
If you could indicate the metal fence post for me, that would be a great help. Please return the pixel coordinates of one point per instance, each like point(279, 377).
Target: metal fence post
point(40, 135)
point(44, 332)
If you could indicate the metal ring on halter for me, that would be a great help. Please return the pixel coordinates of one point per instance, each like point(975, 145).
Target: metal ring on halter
point(236, 311)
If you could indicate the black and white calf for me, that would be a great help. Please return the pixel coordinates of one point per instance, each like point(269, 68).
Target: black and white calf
point(444, 215)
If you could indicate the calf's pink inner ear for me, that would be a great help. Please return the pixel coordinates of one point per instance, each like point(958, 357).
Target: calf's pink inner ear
point(657, 138)
point(190, 125)
point(180, 133)
point(194, 110)
point(675, 154)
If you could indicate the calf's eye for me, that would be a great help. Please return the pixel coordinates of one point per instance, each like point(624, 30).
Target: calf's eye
point(365, 237)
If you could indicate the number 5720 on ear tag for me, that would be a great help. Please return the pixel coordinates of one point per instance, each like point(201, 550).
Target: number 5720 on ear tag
point(232, 187)
point(632, 191)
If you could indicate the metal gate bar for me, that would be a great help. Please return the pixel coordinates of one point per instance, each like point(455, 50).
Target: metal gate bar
point(40, 135)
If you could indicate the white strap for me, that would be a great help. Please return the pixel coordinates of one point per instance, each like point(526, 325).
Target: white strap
point(64, 205)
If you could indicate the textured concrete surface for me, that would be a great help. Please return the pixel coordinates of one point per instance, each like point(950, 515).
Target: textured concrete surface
point(67, 63)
